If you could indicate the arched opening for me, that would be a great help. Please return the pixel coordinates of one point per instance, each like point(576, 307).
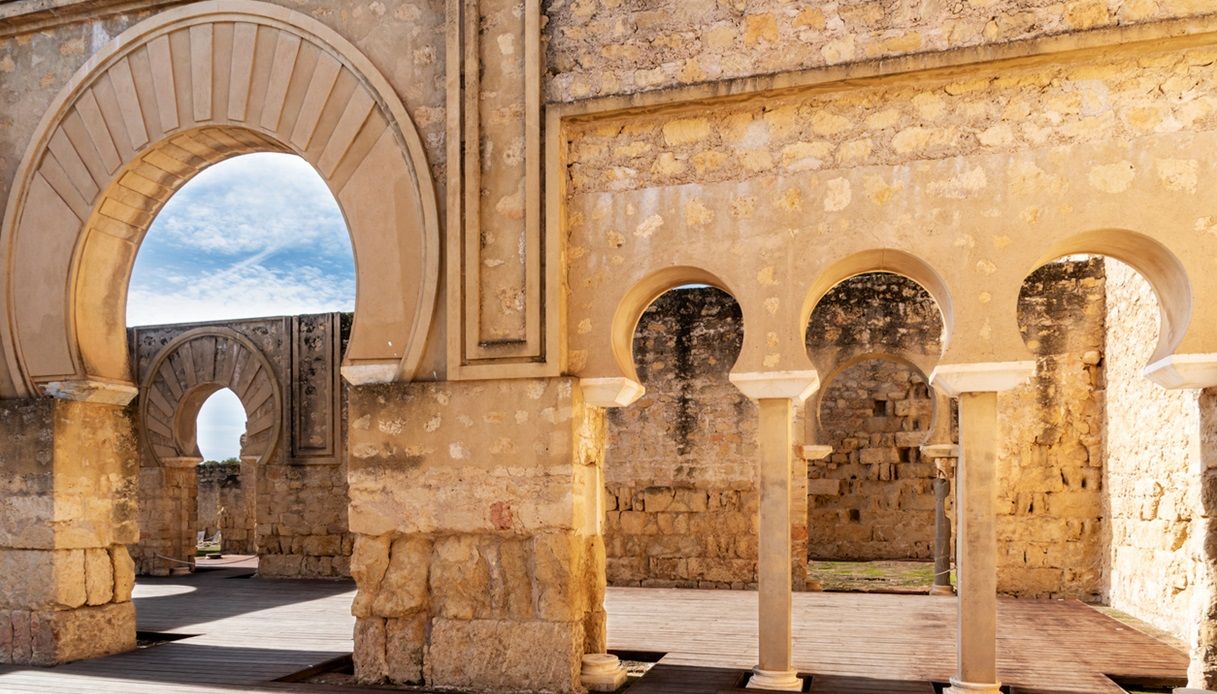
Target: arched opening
point(244, 289)
point(680, 462)
point(224, 519)
point(871, 493)
point(1097, 490)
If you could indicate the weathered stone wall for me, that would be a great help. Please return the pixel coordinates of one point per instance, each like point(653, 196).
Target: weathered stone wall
point(1050, 526)
point(65, 577)
point(679, 473)
point(1153, 470)
point(873, 497)
point(224, 504)
point(298, 478)
point(680, 469)
point(603, 47)
point(491, 586)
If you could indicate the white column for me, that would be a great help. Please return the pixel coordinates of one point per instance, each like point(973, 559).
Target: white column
point(776, 395)
point(977, 386)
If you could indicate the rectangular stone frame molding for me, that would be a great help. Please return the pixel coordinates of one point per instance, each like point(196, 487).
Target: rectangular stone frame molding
point(482, 220)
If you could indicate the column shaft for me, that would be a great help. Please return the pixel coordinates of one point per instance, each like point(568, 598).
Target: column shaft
point(775, 670)
point(942, 537)
point(976, 552)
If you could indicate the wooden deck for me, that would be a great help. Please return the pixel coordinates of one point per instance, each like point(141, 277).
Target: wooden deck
point(900, 641)
point(245, 633)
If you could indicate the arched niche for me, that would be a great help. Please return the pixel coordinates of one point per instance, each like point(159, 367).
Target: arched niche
point(159, 103)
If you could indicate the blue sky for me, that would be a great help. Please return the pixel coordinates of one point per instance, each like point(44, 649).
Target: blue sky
point(255, 235)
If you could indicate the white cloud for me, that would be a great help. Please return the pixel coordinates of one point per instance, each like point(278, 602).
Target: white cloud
point(250, 204)
point(247, 291)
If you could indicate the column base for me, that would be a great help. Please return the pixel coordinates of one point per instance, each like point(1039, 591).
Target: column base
point(777, 680)
point(942, 590)
point(961, 687)
point(602, 672)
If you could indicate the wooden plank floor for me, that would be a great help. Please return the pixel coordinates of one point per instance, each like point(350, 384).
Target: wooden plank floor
point(1045, 646)
point(243, 633)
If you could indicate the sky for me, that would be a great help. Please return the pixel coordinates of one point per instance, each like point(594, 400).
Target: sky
point(255, 235)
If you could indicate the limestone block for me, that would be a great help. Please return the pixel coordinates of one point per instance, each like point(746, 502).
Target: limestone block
point(556, 560)
point(60, 636)
point(403, 589)
point(405, 642)
point(823, 487)
point(512, 656)
point(369, 561)
point(124, 573)
point(99, 576)
point(459, 578)
point(370, 656)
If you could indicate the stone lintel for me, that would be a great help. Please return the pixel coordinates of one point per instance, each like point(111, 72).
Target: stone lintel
point(611, 392)
point(1184, 371)
point(815, 452)
point(89, 390)
point(982, 377)
point(773, 385)
point(371, 372)
point(184, 462)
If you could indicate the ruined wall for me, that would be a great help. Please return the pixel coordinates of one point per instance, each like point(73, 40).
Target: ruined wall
point(873, 497)
point(490, 586)
point(680, 468)
point(603, 47)
point(1153, 472)
point(225, 504)
point(1051, 535)
point(295, 448)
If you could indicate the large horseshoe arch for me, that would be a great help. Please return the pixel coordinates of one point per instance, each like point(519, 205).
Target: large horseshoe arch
point(162, 101)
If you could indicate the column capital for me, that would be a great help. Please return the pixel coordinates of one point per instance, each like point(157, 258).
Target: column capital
point(90, 390)
point(813, 451)
point(774, 385)
point(616, 391)
point(982, 377)
point(934, 451)
point(1184, 371)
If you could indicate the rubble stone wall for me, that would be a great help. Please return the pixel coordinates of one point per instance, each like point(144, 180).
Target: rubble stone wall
point(1153, 470)
point(1051, 533)
point(224, 504)
point(603, 47)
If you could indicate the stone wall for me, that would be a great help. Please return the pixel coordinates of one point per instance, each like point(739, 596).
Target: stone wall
point(494, 586)
point(680, 469)
point(602, 47)
point(1050, 527)
point(873, 497)
point(225, 504)
point(294, 451)
point(1153, 470)
point(680, 461)
point(67, 498)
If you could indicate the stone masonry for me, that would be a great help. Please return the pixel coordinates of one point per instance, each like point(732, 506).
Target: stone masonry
point(225, 507)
